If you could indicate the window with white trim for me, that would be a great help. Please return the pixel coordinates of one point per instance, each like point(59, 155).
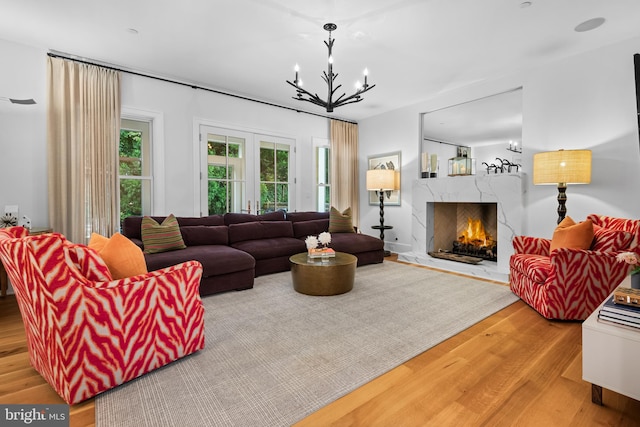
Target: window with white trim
point(135, 168)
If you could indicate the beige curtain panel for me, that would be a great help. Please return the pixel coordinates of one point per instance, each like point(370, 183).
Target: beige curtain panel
point(344, 168)
point(83, 128)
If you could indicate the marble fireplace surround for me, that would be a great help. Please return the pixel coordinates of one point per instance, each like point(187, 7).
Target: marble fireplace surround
point(505, 190)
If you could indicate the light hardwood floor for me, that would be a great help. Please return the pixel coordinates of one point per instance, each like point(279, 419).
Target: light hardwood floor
point(514, 368)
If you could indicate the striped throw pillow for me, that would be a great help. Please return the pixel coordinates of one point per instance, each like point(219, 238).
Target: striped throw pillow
point(340, 222)
point(161, 237)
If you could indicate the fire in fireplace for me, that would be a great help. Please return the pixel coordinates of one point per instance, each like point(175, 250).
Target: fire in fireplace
point(475, 241)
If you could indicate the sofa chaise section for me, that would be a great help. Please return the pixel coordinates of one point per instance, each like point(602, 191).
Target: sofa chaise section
point(224, 267)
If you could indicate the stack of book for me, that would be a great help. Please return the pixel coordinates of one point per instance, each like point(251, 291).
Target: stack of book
point(619, 314)
point(321, 253)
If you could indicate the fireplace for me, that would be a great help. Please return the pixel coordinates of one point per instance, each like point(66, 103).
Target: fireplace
point(504, 191)
point(469, 229)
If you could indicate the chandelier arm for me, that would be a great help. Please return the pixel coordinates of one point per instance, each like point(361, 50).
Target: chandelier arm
point(349, 100)
point(340, 98)
point(353, 101)
point(358, 94)
point(301, 92)
point(299, 89)
point(318, 101)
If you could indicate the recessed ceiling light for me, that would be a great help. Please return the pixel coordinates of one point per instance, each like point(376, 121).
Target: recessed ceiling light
point(525, 4)
point(132, 31)
point(589, 25)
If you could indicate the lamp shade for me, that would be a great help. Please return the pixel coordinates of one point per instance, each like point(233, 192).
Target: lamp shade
point(562, 167)
point(381, 179)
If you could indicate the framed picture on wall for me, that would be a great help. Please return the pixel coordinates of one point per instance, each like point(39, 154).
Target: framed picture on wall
point(386, 161)
point(463, 151)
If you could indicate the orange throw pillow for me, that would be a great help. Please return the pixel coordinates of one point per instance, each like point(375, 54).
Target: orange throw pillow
point(568, 234)
point(97, 242)
point(122, 256)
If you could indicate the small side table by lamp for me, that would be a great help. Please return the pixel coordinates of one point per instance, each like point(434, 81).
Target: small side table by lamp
point(562, 167)
point(381, 180)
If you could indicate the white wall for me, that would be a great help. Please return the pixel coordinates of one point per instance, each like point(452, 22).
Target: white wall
point(181, 106)
point(23, 162)
point(585, 101)
point(23, 155)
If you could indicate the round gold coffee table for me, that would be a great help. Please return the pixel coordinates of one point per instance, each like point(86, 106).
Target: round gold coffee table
point(315, 276)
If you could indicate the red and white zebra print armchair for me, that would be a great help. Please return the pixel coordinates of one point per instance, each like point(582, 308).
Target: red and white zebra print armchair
point(87, 333)
point(570, 283)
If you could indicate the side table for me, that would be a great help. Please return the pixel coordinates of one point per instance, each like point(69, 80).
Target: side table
point(4, 280)
point(609, 358)
point(382, 228)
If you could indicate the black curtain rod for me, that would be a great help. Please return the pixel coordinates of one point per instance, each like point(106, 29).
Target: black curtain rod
point(444, 142)
point(192, 86)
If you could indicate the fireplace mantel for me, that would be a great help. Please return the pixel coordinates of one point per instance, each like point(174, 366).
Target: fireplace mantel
point(506, 190)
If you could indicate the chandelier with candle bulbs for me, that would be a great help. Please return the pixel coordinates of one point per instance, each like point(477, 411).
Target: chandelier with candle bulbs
point(329, 77)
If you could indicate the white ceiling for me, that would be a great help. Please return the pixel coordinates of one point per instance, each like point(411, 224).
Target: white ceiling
point(414, 49)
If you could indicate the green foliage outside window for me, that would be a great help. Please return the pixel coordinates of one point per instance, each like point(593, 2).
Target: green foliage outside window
point(130, 165)
point(218, 198)
point(274, 177)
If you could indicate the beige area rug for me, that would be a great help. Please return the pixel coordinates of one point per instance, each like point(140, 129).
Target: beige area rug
point(273, 356)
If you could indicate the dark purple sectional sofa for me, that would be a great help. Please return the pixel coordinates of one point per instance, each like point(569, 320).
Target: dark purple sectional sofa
point(234, 248)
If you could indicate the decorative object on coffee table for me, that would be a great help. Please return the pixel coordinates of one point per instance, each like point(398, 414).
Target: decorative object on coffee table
point(324, 251)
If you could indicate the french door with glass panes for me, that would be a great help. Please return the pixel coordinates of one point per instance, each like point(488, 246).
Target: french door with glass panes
point(245, 172)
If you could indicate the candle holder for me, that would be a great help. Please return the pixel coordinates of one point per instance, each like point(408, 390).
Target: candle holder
point(513, 146)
